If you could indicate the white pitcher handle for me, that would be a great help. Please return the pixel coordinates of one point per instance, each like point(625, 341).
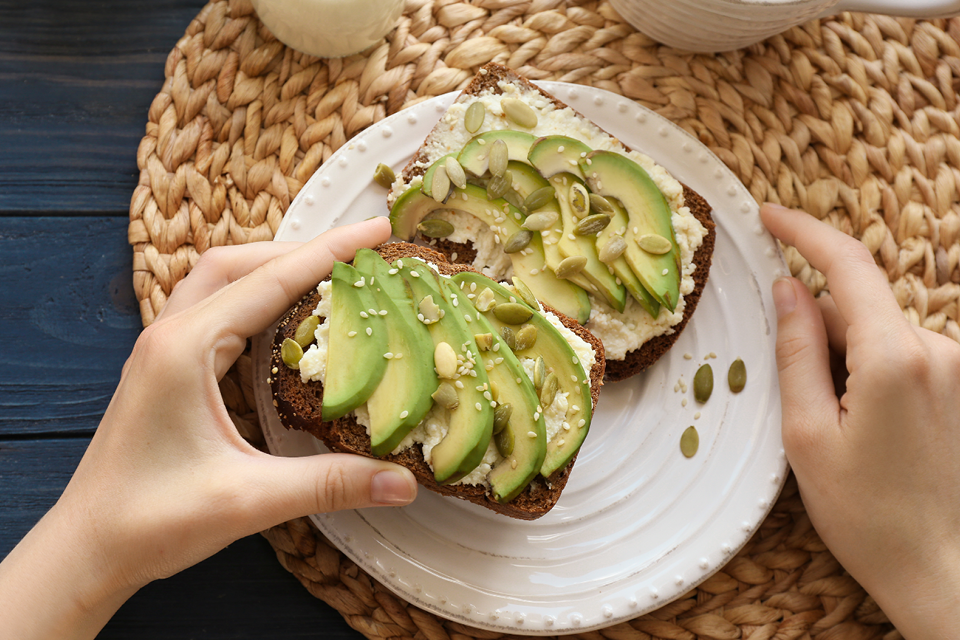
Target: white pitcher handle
point(905, 8)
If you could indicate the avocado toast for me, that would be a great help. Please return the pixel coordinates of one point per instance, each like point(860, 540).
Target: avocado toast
point(516, 183)
point(416, 345)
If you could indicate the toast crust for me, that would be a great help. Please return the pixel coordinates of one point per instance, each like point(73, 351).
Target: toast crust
point(299, 404)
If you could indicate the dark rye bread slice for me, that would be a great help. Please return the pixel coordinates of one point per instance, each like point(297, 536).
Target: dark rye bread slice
point(635, 361)
point(299, 404)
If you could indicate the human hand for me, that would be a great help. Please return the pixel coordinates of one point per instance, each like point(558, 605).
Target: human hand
point(878, 467)
point(167, 481)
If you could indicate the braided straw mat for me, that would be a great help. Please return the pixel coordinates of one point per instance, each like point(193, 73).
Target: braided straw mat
point(853, 119)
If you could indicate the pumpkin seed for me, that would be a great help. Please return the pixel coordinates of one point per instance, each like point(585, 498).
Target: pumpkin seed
point(689, 442)
point(512, 313)
point(446, 396)
point(473, 118)
point(703, 384)
point(592, 225)
point(579, 199)
point(541, 221)
point(435, 228)
point(509, 337)
point(494, 390)
point(384, 176)
point(539, 198)
point(429, 310)
point(549, 390)
point(737, 376)
point(445, 360)
point(526, 337)
point(501, 417)
point(599, 204)
point(524, 292)
point(291, 353)
point(485, 300)
point(539, 373)
point(499, 157)
point(571, 266)
point(519, 112)
point(655, 244)
point(498, 186)
point(612, 250)
point(455, 172)
point(517, 241)
point(504, 442)
point(440, 185)
point(514, 198)
point(306, 330)
point(484, 341)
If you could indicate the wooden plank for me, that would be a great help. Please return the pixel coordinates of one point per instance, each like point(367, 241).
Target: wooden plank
point(68, 321)
point(241, 592)
point(76, 81)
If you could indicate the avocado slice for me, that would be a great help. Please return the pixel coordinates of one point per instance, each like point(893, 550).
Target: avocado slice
point(474, 155)
point(402, 398)
point(355, 363)
point(512, 474)
point(557, 154)
point(559, 356)
point(611, 174)
point(505, 219)
point(427, 180)
point(618, 226)
point(470, 425)
point(571, 244)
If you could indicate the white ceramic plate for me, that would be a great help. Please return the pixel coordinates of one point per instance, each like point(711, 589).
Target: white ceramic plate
point(638, 524)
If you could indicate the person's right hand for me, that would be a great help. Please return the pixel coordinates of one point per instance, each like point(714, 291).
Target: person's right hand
point(878, 467)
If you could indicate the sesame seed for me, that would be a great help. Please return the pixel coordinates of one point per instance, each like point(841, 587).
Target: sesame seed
point(665, 272)
point(683, 402)
point(696, 416)
point(398, 356)
point(359, 283)
point(420, 317)
point(583, 154)
point(589, 161)
point(473, 287)
point(573, 377)
point(496, 347)
point(471, 296)
point(274, 370)
point(570, 236)
point(688, 356)
point(536, 415)
point(575, 360)
point(364, 314)
point(582, 423)
point(458, 384)
point(533, 272)
point(468, 318)
point(519, 381)
point(560, 149)
point(566, 426)
point(372, 312)
point(516, 214)
point(404, 414)
point(369, 331)
point(388, 355)
point(463, 196)
point(415, 274)
point(393, 272)
point(383, 312)
point(479, 387)
point(573, 163)
point(711, 355)
point(400, 264)
point(676, 388)
point(539, 408)
point(481, 141)
point(456, 301)
point(636, 230)
point(453, 256)
point(493, 404)
point(486, 394)
point(498, 360)
point(479, 406)
point(372, 279)
point(350, 334)
point(513, 463)
point(531, 434)
point(473, 374)
point(576, 408)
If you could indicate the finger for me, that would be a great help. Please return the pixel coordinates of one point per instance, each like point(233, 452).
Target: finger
point(835, 324)
point(807, 394)
point(218, 267)
point(861, 292)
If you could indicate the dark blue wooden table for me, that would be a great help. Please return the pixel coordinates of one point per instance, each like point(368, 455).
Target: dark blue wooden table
point(76, 80)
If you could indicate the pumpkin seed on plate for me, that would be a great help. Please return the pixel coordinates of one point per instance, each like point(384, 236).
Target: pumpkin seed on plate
point(539, 198)
point(549, 390)
point(541, 221)
point(524, 292)
point(519, 112)
point(499, 157)
point(446, 396)
point(655, 244)
point(306, 330)
point(579, 199)
point(592, 224)
point(501, 417)
point(571, 266)
point(689, 442)
point(509, 337)
point(440, 185)
point(703, 384)
point(612, 249)
point(435, 228)
point(514, 198)
point(539, 373)
point(599, 204)
point(455, 172)
point(512, 313)
point(737, 376)
point(526, 337)
point(517, 241)
point(498, 186)
point(473, 118)
point(504, 442)
point(291, 353)
point(384, 176)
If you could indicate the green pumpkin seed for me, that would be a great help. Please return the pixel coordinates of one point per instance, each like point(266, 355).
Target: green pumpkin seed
point(689, 442)
point(539, 198)
point(494, 390)
point(291, 353)
point(455, 172)
point(519, 112)
point(571, 266)
point(446, 396)
point(384, 176)
point(473, 118)
point(440, 185)
point(514, 198)
point(509, 337)
point(501, 417)
point(512, 313)
point(429, 310)
point(498, 186)
point(485, 300)
point(435, 228)
point(599, 204)
point(484, 341)
point(541, 221)
point(579, 199)
point(526, 337)
point(539, 373)
point(306, 331)
point(592, 225)
point(737, 376)
point(524, 292)
point(504, 442)
point(549, 390)
point(703, 384)
point(517, 241)
point(655, 244)
point(499, 157)
point(612, 250)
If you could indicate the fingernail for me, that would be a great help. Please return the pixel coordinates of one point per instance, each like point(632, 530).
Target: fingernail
point(392, 488)
point(774, 207)
point(784, 296)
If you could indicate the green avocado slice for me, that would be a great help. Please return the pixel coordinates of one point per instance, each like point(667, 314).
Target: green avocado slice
point(402, 398)
point(611, 174)
point(618, 226)
point(355, 363)
point(557, 154)
point(470, 425)
point(427, 181)
point(558, 355)
point(474, 157)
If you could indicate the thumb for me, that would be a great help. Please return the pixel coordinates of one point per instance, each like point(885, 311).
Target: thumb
point(807, 393)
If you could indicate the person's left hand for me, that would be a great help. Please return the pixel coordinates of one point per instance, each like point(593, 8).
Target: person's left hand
point(167, 481)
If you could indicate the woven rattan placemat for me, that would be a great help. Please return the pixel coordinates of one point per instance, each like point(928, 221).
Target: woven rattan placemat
point(853, 119)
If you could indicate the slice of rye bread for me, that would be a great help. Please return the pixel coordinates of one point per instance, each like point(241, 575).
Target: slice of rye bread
point(299, 406)
point(635, 361)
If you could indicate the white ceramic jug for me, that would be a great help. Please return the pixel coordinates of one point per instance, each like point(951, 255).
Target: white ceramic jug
point(723, 25)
